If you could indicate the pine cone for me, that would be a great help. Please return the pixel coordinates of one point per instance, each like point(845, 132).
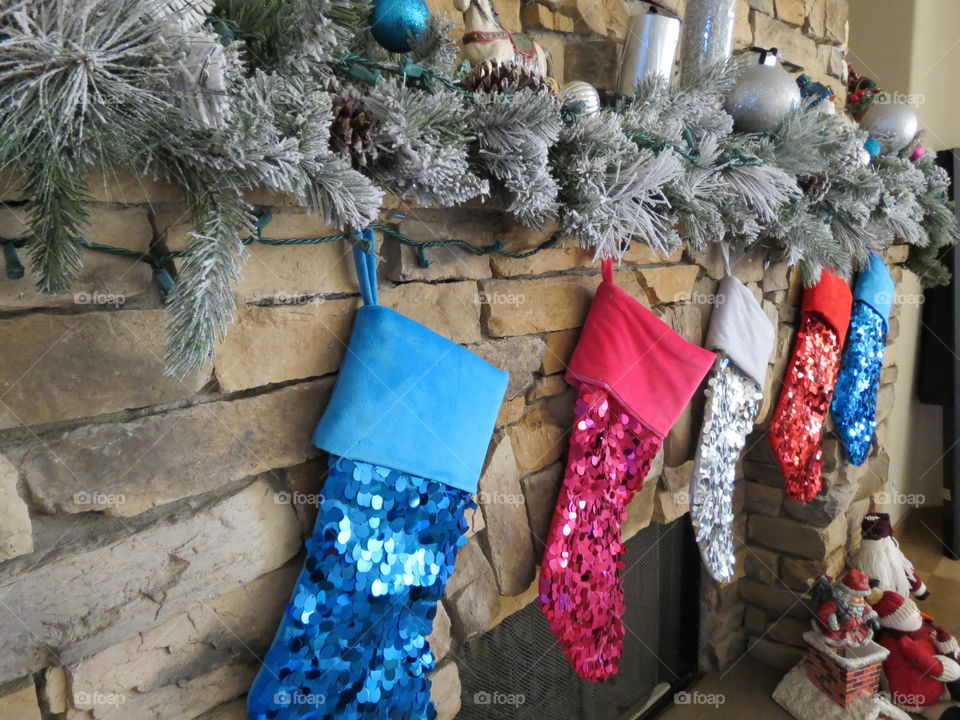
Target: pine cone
point(351, 133)
point(815, 187)
point(493, 76)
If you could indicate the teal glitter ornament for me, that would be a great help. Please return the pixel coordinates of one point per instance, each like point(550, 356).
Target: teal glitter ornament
point(394, 22)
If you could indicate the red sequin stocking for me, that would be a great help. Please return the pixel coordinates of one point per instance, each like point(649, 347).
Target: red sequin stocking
point(797, 425)
point(580, 589)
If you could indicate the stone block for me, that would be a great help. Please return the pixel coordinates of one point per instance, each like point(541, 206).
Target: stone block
point(762, 565)
point(472, 602)
point(794, 48)
point(677, 478)
point(16, 530)
point(54, 691)
point(775, 277)
point(286, 273)
point(548, 386)
point(511, 411)
point(789, 631)
point(519, 356)
point(304, 490)
point(507, 535)
point(186, 699)
point(539, 438)
point(764, 6)
point(775, 598)
point(639, 511)
point(104, 280)
point(540, 491)
point(668, 283)
point(57, 367)
point(122, 469)
point(593, 61)
point(778, 655)
point(273, 344)
point(526, 307)
point(18, 700)
point(440, 639)
point(754, 620)
point(445, 690)
point(475, 226)
point(790, 536)
point(836, 21)
point(233, 710)
point(792, 12)
point(797, 573)
point(123, 187)
point(126, 578)
point(234, 628)
point(763, 499)
point(559, 348)
point(670, 505)
point(450, 309)
point(743, 31)
point(831, 503)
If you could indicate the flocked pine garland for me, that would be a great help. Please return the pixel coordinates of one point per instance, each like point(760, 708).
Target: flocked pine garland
point(101, 82)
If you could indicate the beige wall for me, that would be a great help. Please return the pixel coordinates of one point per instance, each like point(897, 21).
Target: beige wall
point(913, 47)
point(915, 443)
point(934, 68)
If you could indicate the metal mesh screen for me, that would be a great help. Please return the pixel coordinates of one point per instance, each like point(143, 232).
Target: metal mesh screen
point(517, 670)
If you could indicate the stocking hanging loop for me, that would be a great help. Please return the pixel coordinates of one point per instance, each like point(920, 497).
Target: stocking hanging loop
point(606, 268)
point(366, 266)
point(725, 254)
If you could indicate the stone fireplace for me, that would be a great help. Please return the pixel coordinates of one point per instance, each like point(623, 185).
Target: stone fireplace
point(152, 527)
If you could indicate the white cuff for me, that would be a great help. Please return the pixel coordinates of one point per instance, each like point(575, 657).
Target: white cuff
point(946, 648)
point(951, 671)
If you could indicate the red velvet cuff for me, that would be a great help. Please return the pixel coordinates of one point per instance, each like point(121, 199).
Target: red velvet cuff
point(832, 300)
point(651, 370)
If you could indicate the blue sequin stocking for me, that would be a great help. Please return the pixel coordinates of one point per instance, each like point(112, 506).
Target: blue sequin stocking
point(855, 397)
point(353, 641)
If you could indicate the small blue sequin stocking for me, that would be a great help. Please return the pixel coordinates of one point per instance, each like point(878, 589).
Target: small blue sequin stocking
point(353, 641)
point(855, 397)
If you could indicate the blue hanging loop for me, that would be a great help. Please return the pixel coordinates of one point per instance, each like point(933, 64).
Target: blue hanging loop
point(366, 266)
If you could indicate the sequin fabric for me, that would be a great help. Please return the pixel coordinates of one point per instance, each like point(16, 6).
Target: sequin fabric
point(733, 400)
point(797, 425)
point(353, 640)
point(581, 592)
point(855, 398)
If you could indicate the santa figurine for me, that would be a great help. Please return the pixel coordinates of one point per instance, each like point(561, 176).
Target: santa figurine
point(881, 559)
point(844, 617)
point(920, 664)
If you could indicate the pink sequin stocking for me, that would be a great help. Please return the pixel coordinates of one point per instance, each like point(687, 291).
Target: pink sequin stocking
point(797, 425)
point(580, 589)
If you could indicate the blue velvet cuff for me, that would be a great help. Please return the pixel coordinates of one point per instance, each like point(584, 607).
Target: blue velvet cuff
point(875, 287)
point(410, 399)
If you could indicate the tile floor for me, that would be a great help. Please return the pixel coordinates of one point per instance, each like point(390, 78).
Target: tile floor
point(747, 685)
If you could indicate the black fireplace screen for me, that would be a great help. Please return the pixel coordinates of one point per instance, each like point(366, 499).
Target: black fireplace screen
point(517, 670)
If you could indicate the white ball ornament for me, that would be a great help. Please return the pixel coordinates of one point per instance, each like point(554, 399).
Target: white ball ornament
point(763, 96)
point(579, 91)
point(894, 124)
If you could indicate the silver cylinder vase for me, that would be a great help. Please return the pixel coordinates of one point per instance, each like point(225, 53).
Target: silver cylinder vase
point(650, 47)
point(708, 28)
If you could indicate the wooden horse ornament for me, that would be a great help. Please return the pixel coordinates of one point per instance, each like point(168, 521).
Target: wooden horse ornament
point(486, 40)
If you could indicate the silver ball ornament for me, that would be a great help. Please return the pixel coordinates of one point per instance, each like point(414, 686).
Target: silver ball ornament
point(762, 98)
point(894, 124)
point(579, 91)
